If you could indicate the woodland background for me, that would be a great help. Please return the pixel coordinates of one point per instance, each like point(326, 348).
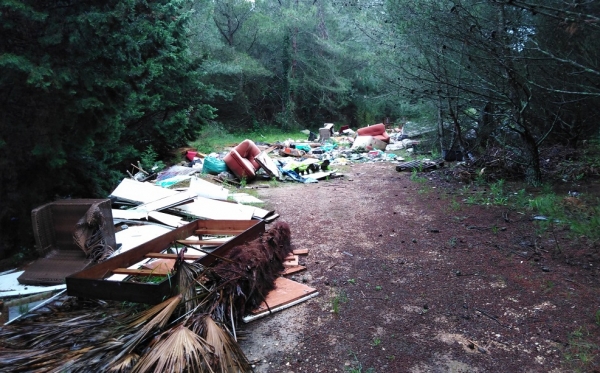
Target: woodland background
point(88, 87)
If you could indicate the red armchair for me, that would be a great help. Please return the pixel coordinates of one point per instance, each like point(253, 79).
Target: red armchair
point(376, 130)
point(240, 160)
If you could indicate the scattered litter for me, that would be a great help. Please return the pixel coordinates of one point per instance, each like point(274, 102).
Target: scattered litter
point(245, 198)
point(423, 165)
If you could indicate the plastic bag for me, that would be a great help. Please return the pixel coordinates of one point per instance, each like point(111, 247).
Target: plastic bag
point(213, 166)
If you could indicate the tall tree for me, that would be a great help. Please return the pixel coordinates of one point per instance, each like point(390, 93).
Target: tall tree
point(85, 87)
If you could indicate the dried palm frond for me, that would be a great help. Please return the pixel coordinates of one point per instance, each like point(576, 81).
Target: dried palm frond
point(186, 277)
point(252, 271)
point(154, 318)
point(93, 336)
point(178, 350)
point(230, 357)
point(40, 362)
point(125, 364)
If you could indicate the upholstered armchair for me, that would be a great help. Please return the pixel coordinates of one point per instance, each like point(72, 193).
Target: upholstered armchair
point(241, 162)
point(376, 130)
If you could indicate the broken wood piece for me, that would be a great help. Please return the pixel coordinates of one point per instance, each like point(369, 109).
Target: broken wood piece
point(210, 209)
point(293, 269)
point(203, 242)
point(300, 252)
point(166, 202)
point(223, 231)
point(139, 169)
point(269, 149)
point(173, 256)
point(420, 165)
point(268, 165)
point(286, 294)
point(138, 272)
point(160, 265)
point(293, 262)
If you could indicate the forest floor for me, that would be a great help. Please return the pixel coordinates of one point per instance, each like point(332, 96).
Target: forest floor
point(411, 279)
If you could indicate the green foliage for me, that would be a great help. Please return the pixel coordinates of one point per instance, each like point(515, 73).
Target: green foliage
point(336, 301)
point(215, 137)
point(581, 352)
point(85, 89)
point(415, 176)
point(358, 366)
point(149, 160)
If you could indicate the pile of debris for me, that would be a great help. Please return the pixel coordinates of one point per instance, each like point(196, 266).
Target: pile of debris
point(305, 161)
point(193, 328)
point(203, 261)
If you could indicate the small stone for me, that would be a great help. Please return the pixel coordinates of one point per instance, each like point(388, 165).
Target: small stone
point(545, 269)
point(414, 240)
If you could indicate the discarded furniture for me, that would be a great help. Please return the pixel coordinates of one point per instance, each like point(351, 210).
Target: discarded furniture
point(368, 143)
point(241, 162)
point(94, 282)
point(420, 165)
point(53, 227)
point(376, 130)
point(326, 132)
point(268, 165)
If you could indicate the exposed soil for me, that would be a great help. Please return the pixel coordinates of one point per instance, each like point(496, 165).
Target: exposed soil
point(412, 281)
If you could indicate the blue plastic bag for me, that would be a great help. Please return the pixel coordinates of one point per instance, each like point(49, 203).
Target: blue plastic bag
point(213, 166)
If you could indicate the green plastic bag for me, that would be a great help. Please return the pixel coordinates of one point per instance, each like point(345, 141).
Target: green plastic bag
point(213, 166)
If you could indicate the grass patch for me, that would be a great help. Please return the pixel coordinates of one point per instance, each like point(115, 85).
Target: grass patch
point(336, 301)
point(417, 178)
point(358, 368)
point(215, 138)
point(580, 355)
point(574, 213)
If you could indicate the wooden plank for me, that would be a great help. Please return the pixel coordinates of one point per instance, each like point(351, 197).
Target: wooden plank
point(137, 192)
point(129, 214)
point(138, 272)
point(320, 175)
point(167, 219)
point(289, 257)
point(163, 266)
point(268, 165)
point(173, 256)
point(293, 269)
point(293, 262)
point(206, 208)
point(300, 252)
point(166, 202)
point(202, 242)
point(285, 292)
point(91, 283)
point(200, 232)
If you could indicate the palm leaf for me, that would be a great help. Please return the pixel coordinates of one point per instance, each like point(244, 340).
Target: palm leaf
point(178, 350)
point(187, 275)
point(125, 364)
point(155, 318)
point(231, 358)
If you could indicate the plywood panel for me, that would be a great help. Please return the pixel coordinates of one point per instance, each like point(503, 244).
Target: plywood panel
point(286, 291)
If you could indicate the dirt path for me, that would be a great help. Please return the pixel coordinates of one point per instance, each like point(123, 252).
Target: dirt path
point(412, 281)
